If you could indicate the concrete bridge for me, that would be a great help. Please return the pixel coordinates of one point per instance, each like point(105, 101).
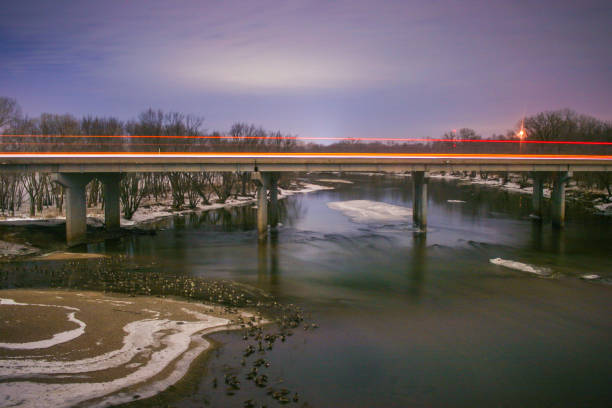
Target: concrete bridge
point(75, 170)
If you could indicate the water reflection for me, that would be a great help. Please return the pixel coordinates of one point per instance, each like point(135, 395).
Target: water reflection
point(537, 232)
point(267, 261)
point(558, 241)
point(418, 265)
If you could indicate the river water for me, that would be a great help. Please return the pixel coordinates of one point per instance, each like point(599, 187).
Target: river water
point(408, 319)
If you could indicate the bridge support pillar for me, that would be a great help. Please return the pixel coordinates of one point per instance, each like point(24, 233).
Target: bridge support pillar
point(538, 179)
point(558, 198)
point(112, 211)
point(419, 201)
point(274, 200)
point(263, 182)
point(76, 209)
point(266, 214)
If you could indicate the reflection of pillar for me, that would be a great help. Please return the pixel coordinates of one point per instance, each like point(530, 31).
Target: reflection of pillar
point(273, 257)
point(267, 261)
point(76, 209)
point(537, 194)
point(112, 211)
point(419, 205)
point(558, 198)
point(419, 256)
point(558, 241)
point(273, 200)
point(262, 260)
point(536, 236)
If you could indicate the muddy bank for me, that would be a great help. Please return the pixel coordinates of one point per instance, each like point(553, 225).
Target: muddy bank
point(77, 346)
point(63, 348)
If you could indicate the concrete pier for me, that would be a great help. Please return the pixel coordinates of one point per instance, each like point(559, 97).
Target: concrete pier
point(112, 211)
point(558, 198)
point(76, 209)
point(266, 214)
point(273, 210)
point(538, 179)
point(263, 182)
point(419, 200)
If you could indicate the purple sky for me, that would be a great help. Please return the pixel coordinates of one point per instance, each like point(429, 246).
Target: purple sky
point(313, 68)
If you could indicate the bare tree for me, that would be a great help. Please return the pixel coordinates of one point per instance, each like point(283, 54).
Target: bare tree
point(222, 184)
point(180, 184)
point(33, 184)
point(10, 193)
point(131, 194)
point(9, 111)
point(200, 186)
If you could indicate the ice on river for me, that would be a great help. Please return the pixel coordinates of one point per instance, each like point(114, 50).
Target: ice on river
point(366, 211)
point(521, 266)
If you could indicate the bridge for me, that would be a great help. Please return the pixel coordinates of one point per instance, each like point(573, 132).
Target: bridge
point(75, 170)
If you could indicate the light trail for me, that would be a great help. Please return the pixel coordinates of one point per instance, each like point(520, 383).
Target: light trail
point(300, 138)
point(260, 155)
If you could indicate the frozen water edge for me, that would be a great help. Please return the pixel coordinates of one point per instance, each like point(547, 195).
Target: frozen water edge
point(177, 348)
point(156, 353)
point(519, 266)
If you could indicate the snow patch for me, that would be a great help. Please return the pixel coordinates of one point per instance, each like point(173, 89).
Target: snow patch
point(12, 249)
point(521, 266)
point(335, 181)
point(306, 188)
point(605, 208)
point(163, 342)
point(57, 338)
point(366, 211)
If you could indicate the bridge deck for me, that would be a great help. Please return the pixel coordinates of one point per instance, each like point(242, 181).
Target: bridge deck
point(244, 161)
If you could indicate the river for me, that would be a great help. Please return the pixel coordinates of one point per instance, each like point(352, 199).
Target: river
point(406, 318)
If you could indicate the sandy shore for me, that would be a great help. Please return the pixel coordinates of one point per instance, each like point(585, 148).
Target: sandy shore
point(63, 348)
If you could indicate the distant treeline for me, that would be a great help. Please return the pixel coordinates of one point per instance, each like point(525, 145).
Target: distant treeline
point(562, 125)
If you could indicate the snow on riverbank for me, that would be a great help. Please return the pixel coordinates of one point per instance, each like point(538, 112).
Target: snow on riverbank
point(600, 205)
point(149, 211)
point(366, 211)
point(605, 208)
point(491, 182)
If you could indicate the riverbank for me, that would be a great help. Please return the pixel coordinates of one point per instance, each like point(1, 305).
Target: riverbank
point(66, 348)
point(16, 239)
point(152, 210)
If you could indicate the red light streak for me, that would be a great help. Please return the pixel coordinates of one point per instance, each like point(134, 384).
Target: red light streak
point(298, 138)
